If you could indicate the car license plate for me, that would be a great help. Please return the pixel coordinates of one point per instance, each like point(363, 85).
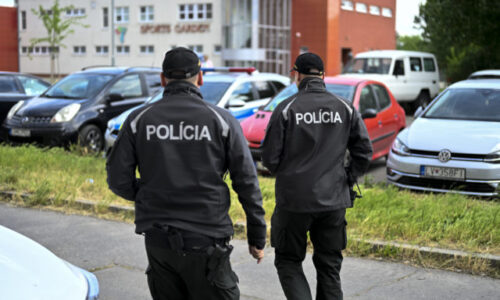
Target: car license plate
point(443, 172)
point(20, 132)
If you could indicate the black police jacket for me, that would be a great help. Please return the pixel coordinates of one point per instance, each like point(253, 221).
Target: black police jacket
point(305, 145)
point(182, 147)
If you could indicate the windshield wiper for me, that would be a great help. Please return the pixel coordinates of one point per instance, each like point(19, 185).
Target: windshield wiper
point(61, 97)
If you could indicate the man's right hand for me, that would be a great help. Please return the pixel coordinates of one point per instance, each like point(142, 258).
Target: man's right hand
point(256, 253)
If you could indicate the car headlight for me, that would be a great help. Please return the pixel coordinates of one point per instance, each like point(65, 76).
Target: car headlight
point(493, 157)
point(399, 148)
point(66, 113)
point(14, 109)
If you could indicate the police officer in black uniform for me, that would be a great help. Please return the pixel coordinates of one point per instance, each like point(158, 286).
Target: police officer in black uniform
point(305, 145)
point(182, 147)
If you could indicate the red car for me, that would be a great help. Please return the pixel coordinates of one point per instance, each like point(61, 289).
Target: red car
point(383, 116)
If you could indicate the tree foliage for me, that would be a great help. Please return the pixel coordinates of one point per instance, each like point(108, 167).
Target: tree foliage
point(58, 28)
point(464, 34)
point(412, 43)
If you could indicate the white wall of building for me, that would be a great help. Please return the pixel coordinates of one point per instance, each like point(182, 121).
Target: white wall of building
point(166, 12)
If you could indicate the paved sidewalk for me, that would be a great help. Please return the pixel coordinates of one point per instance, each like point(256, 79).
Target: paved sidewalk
point(116, 255)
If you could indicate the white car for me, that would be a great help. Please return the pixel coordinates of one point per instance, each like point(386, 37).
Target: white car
point(411, 76)
point(30, 271)
point(454, 144)
point(485, 74)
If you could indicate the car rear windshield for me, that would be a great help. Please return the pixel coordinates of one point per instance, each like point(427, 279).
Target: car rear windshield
point(213, 91)
point(341, 90)
point(467, 104)
point(370, 65)
point(78, 86)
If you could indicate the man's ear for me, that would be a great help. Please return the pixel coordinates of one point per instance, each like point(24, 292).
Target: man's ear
point(164, 80)
point(200, 78)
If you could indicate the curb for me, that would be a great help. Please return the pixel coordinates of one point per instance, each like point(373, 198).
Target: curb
point(493, 260)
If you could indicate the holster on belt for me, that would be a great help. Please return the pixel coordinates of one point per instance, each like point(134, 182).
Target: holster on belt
point(217, 256)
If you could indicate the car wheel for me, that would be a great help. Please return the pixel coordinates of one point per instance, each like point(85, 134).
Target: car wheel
point(422, 100)
point(90, 137)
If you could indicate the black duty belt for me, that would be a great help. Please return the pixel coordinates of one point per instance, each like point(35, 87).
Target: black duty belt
point(181, 240)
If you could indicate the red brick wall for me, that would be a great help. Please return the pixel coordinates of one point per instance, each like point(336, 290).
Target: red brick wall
point(365, 32)
point(325, 29)
point(8, 37)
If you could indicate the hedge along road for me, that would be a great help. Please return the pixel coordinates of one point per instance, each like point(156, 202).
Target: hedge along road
point(116, 255)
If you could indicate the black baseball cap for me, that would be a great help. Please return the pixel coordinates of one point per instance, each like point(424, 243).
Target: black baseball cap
point(181, 63)
point(307, 61)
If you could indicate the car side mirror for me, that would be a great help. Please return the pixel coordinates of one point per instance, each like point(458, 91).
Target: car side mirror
point(114, 97)
point(236, 103)
point(370, 113)
point(418, 112)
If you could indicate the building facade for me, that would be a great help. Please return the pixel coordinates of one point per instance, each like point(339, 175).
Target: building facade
point(266, 34)
point(143, 32)
point(8, 36)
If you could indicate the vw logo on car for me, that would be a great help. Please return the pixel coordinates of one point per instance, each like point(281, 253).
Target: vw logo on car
point(25, 120)
point(444, 155)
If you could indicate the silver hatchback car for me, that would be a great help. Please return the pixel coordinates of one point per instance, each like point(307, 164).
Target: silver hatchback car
point(454, 144)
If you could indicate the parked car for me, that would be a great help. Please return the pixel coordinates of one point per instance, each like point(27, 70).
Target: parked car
point(382, 114)
point(18, 86)
point(485, 74)
point(412, 77)
point(30, 271)
point(240, 90)
point(78, 107)
point(454, 144)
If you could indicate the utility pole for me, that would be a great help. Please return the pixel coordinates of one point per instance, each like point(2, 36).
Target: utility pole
point(112, 32)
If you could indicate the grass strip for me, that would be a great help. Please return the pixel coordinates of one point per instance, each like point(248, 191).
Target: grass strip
point(55, 176)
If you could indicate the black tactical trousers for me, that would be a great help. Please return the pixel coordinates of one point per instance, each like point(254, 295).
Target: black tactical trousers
point(289, 238)
point(188, 274)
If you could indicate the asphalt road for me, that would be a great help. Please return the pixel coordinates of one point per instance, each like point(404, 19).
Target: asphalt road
point(116, 255)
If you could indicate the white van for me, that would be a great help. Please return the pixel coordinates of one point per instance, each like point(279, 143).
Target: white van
point(411, 76)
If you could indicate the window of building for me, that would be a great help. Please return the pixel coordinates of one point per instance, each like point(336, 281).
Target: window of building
point(374, 10)
point(101, 50)
point(200, 11)
point(75, 12)
point(105, 17)
point(148, 49)
point(415, 64)
point(79, 50)
point(24, 50)
point(217, 49)
point(121, 14)
point(147, 14)
point(196, 48)
point(44, 50)
point(386, 12)
point(361, 7)
point(429, 65)
point(123, 49)
point(347, 5)
point(54, 49)
point(23, 19)
point(383, 98)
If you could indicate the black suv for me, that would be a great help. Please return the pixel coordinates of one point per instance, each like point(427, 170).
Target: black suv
point(78, 107)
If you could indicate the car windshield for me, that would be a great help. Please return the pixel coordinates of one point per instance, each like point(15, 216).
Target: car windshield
point(370, 65)
point(341, 90)
point(78, 86)
point(156, 97)
point(213, 91)
point(467, 104)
